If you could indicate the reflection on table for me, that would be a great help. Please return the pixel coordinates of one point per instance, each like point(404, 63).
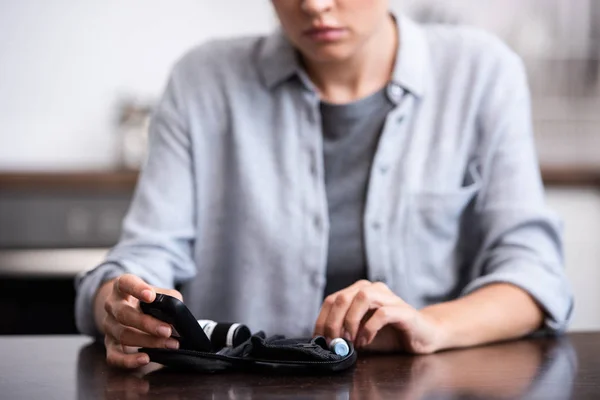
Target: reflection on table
point(539, 369)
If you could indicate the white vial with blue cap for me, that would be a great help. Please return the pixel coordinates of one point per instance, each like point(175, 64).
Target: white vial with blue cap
point(339, 347)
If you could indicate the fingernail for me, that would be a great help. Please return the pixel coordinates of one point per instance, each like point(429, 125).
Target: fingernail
point(361, 342)
point(172, 344)
point(164, 331)
point(147, 295)
point(143, 360)
point(347, 336)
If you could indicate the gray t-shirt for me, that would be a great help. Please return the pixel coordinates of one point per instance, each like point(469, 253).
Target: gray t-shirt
point(350, 137)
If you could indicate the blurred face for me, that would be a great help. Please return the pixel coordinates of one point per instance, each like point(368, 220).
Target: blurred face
point(331, 30)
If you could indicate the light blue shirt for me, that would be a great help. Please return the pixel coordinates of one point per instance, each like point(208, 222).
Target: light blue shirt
point(232, 200)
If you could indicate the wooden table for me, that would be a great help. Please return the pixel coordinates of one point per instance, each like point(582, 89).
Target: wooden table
point(68, 367)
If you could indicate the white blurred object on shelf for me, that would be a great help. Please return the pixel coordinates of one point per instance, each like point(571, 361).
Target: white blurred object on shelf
point(133, 125)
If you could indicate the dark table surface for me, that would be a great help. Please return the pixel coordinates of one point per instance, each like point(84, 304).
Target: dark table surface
point(67, 367)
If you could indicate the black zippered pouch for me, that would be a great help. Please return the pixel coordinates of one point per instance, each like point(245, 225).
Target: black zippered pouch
point(260, 354)
point(257, 353)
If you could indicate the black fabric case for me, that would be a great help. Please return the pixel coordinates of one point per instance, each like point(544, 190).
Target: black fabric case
point(260, 354)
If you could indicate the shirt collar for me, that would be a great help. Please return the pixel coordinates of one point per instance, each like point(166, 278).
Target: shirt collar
point(279, 61)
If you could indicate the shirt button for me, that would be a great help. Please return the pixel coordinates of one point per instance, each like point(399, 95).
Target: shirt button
point(317, 279)
point(395, 91)
point(381, 279)
point(383, 169)
point(376, 225)
point(318, 222)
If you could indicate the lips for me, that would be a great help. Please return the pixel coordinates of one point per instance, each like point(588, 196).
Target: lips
point(325, 34)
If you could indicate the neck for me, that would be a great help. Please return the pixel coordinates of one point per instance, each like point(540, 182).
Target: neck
point(366, 72)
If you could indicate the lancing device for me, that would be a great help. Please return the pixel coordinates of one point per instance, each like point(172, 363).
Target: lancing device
point(339, 347)
point(225, 334)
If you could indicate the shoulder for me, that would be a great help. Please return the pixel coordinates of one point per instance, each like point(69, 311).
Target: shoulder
point(222, 59)
point(477, 75)
point(221, 50)
point(472, 52)
point(468, 43)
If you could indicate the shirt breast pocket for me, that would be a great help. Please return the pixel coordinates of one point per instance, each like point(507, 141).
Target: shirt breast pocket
point(435, 242)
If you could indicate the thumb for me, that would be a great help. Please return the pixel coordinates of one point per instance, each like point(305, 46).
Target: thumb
point(170, 292)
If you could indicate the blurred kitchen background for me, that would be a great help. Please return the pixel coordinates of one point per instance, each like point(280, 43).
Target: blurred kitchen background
point(78, 80)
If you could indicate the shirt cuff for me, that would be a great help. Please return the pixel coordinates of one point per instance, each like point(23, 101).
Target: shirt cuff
point(550, 291)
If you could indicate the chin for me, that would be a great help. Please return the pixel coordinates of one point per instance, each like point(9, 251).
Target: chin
point(328, 54)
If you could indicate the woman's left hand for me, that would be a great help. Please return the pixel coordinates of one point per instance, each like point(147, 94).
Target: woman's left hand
point(374, 318)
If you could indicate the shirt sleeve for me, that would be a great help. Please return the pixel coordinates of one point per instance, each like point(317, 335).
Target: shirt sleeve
point(158, 230)
point(522, 239)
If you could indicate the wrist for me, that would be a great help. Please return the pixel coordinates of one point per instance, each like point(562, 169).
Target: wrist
point(442, 327)
point(98, 304)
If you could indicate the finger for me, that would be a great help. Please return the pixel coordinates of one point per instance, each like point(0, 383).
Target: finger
point(123, 313)
point(131, 285)
point(398, 315)
point(328, 304)
point(322, 318)
point(363, 301)
point(128, 336)
point(337, 314)
point(117, 358)
point(367, 299)
point(339, 309)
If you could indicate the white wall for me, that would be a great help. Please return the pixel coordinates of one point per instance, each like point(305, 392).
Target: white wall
point(580, 210)
point(64, 63)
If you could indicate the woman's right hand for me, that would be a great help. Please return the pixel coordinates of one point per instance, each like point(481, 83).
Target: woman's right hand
point(125, 326)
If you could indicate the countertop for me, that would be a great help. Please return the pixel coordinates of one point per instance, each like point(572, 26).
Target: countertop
point(72, 367)
point(100, 181)
point(106, 181)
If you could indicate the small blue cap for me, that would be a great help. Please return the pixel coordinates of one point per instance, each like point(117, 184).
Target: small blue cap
point(339, 347)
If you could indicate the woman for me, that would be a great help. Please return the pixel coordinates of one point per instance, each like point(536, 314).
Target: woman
point(356, 156)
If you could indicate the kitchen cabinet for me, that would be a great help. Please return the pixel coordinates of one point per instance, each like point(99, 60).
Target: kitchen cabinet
point(53, 226)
